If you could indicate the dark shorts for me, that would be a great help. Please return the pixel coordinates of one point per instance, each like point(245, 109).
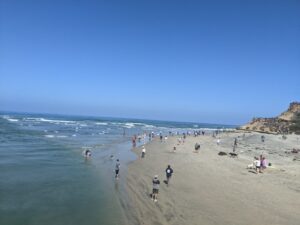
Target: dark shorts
point(117, 171)
point(155, 191)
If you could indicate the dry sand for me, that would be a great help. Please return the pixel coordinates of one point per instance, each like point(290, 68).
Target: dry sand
point(210, 189)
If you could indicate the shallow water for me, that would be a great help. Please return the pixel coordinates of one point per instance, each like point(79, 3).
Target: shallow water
point(44, 179)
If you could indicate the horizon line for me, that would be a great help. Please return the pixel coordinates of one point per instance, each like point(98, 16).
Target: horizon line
point(111, 117)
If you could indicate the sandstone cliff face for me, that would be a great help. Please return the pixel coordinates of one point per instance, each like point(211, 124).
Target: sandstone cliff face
point(280, 124)
point(291, 112)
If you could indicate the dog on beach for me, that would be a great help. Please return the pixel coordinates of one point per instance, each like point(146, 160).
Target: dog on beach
point(251, 166)
point(233, 155)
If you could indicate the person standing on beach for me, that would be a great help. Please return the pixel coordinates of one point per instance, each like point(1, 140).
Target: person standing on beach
point(117, 169)
point(169, 172)
point(155, 190)
point(133, 141)
point(143, 152)
point(235, 142)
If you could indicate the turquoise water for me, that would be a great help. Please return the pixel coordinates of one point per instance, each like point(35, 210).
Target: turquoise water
point(44, 179)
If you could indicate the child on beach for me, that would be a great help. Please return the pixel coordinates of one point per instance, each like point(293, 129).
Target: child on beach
point(197, 147)
point(155, 190)
point(256, 163)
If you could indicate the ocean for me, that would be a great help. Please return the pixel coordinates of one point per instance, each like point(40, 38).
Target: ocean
point(44, 178)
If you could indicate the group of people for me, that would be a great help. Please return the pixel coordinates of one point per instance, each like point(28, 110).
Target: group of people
point(198, 133)
point(260, 164)
point(156, 182)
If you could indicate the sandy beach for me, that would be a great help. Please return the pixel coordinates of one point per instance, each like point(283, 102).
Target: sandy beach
point(210, 189)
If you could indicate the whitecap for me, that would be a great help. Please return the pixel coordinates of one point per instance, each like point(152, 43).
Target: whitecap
point(101, 123)
point(129, 125)
point(149, 126)
point(41, 119)
point(61, 136)
point(13, 120)
point(49, 136)
point(8, 118)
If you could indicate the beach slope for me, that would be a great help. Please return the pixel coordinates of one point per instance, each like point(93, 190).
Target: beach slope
point(210, 189)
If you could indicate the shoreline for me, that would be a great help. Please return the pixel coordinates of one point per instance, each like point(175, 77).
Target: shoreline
point(210, 189)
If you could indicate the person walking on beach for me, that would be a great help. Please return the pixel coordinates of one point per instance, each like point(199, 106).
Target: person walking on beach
point(169, 172)
point(155, 190)
point(143, 152)
point(117, 169)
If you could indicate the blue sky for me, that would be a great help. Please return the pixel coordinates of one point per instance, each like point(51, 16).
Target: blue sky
point(202, 61)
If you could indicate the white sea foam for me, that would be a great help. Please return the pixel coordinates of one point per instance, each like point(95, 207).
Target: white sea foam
point(149, 126)
point(101, 123)
point(12, 120)
point(129, 125)
point(49, 136)
point(66, 122)
point(8, 118)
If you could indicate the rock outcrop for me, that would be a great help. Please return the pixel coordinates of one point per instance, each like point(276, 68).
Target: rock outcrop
point(280, 124)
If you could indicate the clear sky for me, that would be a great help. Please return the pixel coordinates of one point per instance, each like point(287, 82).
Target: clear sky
point(202, 61)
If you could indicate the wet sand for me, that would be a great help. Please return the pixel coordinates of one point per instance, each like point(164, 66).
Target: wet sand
point(210, 189)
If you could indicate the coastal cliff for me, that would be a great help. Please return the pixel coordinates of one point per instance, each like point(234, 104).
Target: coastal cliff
point(286, 122)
